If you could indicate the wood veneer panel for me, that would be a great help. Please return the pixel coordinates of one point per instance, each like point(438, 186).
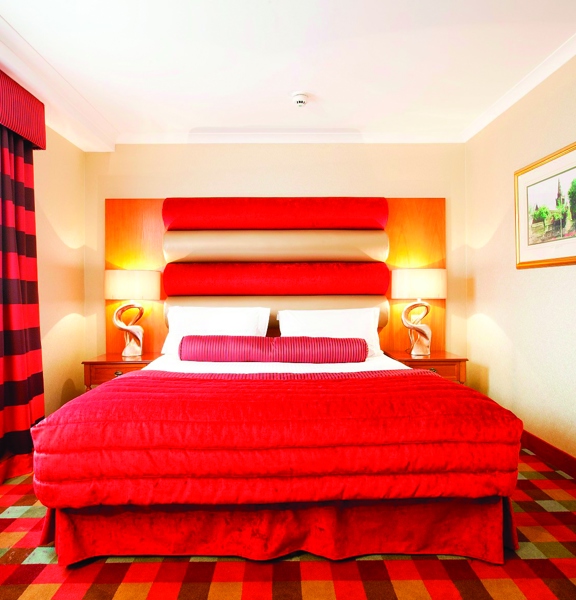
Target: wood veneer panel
point(134, 231)
point(417, 232)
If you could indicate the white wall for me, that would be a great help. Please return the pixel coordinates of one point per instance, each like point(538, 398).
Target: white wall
point(59, 194)
point(521, 323)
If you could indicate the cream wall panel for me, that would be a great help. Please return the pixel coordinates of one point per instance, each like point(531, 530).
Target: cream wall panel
point(521, 325)
point(145, 171)
point(59, 193)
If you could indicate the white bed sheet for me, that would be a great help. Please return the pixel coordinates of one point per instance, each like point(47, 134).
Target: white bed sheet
point(171, 362)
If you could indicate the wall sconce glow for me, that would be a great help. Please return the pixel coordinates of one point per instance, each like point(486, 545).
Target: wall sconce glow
point(133, 285)
point(418, 283)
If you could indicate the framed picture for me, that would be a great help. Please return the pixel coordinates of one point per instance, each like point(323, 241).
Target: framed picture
point(545, 194)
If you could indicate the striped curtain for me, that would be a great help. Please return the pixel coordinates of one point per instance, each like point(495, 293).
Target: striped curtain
point(21, 380)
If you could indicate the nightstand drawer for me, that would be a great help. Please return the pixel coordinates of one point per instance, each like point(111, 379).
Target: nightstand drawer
point(449, 366)
point(109, 366)
point(448, 370)
point(101, 373)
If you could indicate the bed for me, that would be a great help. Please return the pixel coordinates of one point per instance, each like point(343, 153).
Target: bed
point(236, 443)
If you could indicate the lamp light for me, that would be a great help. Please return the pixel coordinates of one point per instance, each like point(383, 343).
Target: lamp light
point(418, 283)
point(133, 285)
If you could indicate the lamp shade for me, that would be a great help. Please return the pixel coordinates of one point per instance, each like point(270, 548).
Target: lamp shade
point(131, 285)
point(418, 283)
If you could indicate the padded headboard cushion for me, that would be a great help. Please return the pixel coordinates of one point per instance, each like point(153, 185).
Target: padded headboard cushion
point(275, 213)
point(276, 246)
point(275, 279)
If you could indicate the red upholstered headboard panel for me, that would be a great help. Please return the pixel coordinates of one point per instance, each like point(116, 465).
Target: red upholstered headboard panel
point(275, 278)
point(318, 252)
point(275, 213)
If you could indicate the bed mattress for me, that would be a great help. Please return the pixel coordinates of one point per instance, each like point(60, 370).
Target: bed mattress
point(153, 437)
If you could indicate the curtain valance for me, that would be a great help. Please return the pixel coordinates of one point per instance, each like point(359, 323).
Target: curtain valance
point(21, 112)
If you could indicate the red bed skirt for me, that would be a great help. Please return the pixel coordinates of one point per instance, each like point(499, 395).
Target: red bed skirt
point(475, 528)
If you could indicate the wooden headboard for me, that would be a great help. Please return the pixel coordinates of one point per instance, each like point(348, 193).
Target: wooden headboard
point(135, 236)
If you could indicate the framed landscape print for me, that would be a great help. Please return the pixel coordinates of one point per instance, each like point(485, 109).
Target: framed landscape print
point(545, 194)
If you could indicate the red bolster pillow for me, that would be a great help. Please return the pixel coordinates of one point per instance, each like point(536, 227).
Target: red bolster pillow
point(241, 348)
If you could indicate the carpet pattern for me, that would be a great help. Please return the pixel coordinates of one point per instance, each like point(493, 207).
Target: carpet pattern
point(543, 568)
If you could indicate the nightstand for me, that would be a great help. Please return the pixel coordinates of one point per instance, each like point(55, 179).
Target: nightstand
point(449, 366)
point(108, 366)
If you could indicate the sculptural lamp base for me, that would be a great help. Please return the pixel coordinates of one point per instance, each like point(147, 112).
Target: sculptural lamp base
point(133, 334)
point(419, 333)
point(420, 348)
point(132, 349)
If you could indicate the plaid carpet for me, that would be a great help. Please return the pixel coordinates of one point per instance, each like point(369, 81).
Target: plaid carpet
point(544, 567)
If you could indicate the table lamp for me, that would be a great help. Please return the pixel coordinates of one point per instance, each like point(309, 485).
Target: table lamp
point(134, 285)
point(418, 283)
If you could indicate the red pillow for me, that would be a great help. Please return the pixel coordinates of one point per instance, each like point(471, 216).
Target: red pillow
point(240, 348)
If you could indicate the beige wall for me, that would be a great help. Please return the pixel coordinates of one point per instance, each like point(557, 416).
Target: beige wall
point(521, 323)
point(146, 171)
point(59, 193)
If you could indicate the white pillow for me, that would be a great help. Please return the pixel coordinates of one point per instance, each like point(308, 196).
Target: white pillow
point(200, 320)
point(345, 323)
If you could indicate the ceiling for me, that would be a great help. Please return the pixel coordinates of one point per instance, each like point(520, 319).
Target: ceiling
point(212, 71)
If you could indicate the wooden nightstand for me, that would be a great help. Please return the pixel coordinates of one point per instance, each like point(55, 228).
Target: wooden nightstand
point(449, 366)
point(108, 366)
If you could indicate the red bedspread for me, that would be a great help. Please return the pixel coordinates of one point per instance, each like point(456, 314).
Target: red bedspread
point(151, 437)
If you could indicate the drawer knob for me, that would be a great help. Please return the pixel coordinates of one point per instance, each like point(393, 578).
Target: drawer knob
point(433, 370)
point(117, 373)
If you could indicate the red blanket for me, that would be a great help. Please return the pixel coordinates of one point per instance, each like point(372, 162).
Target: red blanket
point(151, 437)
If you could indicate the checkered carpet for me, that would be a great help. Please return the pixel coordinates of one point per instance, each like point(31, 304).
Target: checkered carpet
point(543, 568)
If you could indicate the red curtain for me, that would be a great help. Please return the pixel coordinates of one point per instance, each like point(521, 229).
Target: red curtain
point(21, 379)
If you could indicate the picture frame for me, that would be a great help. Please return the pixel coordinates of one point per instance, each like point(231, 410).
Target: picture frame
point(545, 197)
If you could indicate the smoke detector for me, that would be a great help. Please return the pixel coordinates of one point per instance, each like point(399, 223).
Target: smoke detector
point(299, 98)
